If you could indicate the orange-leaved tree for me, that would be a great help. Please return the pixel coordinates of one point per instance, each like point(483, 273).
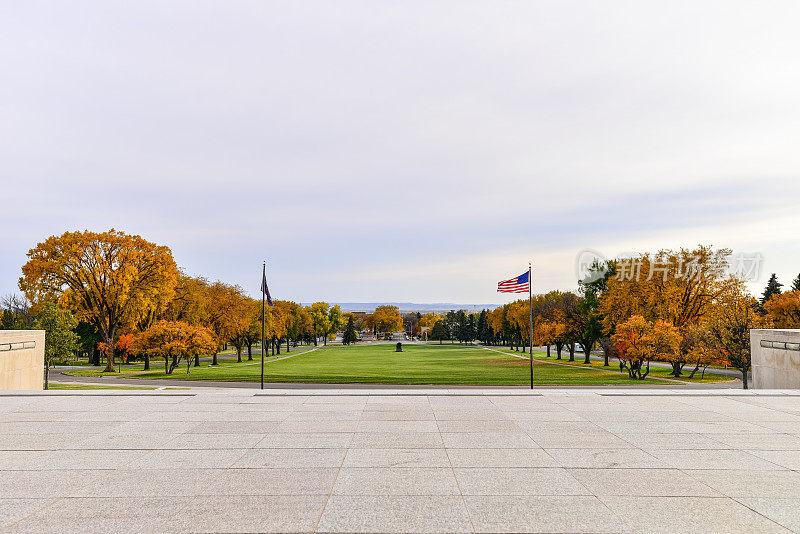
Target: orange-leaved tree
point(174, 341)
point(104, 277)
point(783, 309)
point(639, 341)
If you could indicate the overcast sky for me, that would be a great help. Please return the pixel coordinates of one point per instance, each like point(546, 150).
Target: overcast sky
point(406, 151)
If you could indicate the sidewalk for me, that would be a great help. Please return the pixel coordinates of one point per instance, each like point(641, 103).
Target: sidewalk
point(409, 459)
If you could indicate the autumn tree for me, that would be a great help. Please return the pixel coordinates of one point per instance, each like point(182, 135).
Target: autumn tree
point(427, 321)
point(103, 277)
point(253, 333)
point(639, 341)
point(59, 336)
point(678, 287)
point(385, 319)
point(729, 329)
point(124, 346)
point(783, 309)
point(174, 341)
point(225, 313)
point(326, 319)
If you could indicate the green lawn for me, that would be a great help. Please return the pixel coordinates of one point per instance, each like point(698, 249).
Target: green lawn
point(417, 364)
point(656, 372)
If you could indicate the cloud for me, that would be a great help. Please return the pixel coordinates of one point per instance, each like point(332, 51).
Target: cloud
point(412, 151)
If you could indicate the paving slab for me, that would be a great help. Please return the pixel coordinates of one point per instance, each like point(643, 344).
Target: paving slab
point(395, 514)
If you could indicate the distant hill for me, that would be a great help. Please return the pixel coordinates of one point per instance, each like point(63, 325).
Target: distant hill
point(413, 307)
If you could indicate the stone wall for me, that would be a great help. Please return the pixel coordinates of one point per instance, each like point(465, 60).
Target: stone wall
point(21, 359)
point(775, 358)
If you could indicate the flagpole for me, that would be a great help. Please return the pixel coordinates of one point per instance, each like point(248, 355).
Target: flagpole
point(263, 317)
point(530, 313)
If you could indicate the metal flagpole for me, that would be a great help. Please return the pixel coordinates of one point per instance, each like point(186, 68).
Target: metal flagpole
point(530, 312)
point(263, 317)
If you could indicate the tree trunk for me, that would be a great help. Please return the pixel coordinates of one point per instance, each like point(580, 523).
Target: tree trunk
point(571, 347)
point(197, 360)
point(166, 365)
point(238, 355)
point(109, 341)
point(46, 373)
point(587, 350)
point(676, 369)
point(250, 352)
point(744, 379)
point(278, 346)
point(287, 344)
point(146, 362)
point(548, 350)
point(559, 346)
point(214, 359)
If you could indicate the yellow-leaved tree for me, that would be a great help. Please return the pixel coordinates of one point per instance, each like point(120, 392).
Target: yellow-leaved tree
point(106, 278)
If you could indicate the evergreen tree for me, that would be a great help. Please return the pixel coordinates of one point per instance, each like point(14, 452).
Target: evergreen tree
point(349, 335)
point(471, 328)
point(773, 288)
point(462, 326)
point(482, 330)
point(796, 284)
point(440, 331)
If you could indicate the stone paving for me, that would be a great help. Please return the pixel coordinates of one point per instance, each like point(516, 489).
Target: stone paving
point(406, 460)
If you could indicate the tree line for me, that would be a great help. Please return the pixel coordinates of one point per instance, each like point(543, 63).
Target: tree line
point(681, 307)
point(111, 294)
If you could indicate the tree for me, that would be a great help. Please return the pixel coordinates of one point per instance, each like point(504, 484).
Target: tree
point(587, 316)
point(17, 314)
point(174, 341)
point(320, 316)
point(440, 332)
point(427, 322)
point(104, 277)
point(59, 337)
point(783, 309)
point(482, 330)
point(728, 334)
point(224, 313)
point(679, 288)
point(124, 346)
point(638, 342)
point(349, 335)
point(796, 283)
point(773, 288)
point(385, 319)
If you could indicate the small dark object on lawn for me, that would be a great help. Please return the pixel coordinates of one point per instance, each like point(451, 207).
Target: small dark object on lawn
point(398, 347)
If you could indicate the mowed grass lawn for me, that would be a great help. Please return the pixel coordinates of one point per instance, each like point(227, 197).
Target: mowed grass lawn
point(417, 364)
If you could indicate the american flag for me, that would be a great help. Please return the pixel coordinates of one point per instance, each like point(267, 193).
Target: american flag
point(520, 284)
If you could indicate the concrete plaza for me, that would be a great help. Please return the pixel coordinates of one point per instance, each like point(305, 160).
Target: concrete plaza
point(404, 460)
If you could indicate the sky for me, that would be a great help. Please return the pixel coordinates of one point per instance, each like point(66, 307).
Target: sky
point(402, 151)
